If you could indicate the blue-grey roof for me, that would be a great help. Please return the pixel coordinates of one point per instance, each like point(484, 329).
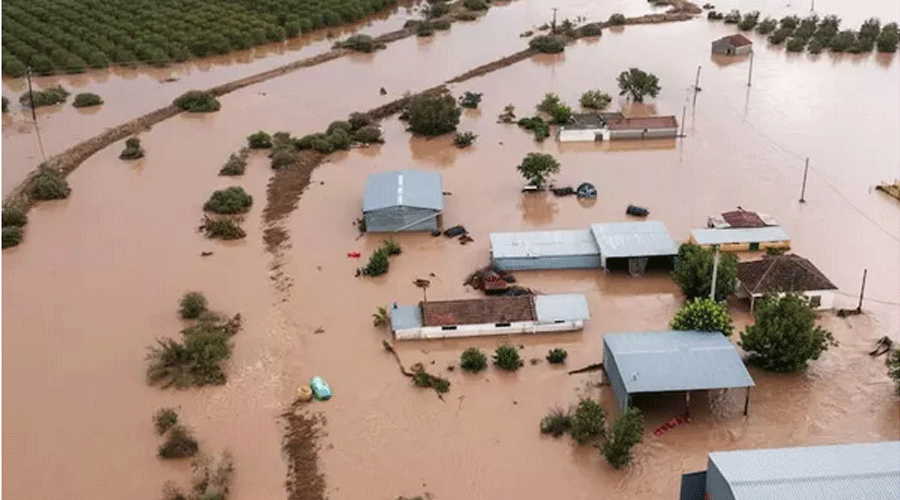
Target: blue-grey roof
point(410, 188)
point(739, 235)
point(405, 317)
point(833, 472)
point(543, 244)
point(564, 307)
point(676, 361)
point(633, 239)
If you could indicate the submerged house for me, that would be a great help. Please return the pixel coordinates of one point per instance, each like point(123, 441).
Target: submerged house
point(748, 239)
point(489, 316)
point(616, 245)
point(608, 126)
point(403, 200)
point(587, 127)
point(740, 218)
point(732, 45)
point(832, 472)
point(778, 274)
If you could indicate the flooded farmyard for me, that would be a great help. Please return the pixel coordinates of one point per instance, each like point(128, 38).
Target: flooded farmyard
point(98, 275)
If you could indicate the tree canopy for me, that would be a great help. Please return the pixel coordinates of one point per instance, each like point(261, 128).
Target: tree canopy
point(703, 315)
point(537, 167)
point(693, 272)
point(637, 83)
point(433, 115)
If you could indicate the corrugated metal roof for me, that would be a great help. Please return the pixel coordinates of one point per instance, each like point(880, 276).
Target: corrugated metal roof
point(561, 307)
point(406, 317)
point(676, 361)
point(543, 244)
point(739, 235)
point(833, 472)
point(633, 239)
point(411, 188)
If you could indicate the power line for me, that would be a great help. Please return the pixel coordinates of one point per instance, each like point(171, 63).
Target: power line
point(867, 299)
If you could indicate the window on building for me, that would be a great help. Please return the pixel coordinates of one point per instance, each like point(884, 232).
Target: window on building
point(448, 328)
point(501, 325)
point(754, 246)
point(815, 301)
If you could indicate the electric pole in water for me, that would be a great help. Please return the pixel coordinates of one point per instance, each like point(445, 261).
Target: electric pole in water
point(803, 190)
point(553, 24)
point(861, 290)
point(750, 73)
point(712, 290)
point(37, 130)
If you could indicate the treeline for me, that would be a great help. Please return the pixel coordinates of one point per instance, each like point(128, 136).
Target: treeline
point(53, 36)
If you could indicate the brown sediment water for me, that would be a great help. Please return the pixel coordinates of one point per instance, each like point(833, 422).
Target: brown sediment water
point(98, 276)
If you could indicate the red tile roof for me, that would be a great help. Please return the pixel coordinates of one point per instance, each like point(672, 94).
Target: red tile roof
point(649, 122)
point(478, 311)
point(743, 218)
point(781, 273)
point(738, 40)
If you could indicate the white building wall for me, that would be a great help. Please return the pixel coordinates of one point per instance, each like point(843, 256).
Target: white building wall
point(484, 329)
point(578, 135)
point(826, 297)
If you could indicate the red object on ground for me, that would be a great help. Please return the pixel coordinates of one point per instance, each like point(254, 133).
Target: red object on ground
point(671, 424)
point(355, 255)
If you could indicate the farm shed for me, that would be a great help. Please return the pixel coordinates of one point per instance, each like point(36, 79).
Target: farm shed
point(633, 243)
point(650, 127)
point(742, 239)
point(403, 200)
point(672, 361)
point(732, 45)
point(778, 274)
point(563, 249)
point(832, 472)
point(489, 316)
point(587, 127)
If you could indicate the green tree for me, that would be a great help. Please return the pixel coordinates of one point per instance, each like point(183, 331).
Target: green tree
point(259, 140)
point(595, 99)
point(588, 421)
point(507, 358)
point(473, 360)
point(537, 167)
point(785, 336)
point(433, 115)
point(703, 315)
point(192, 305)
point(547, 44)
point(693, 272)
point(637, 84)
point(627, 431)
point(887, 40)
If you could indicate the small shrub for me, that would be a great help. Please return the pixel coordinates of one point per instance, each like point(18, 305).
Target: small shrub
point(617, 19)
point(12, 236)
point(595, 99)
point(627, 431)
point(588, 421)
point(789, 22)
point(197, 101)
point(473, 360)
point(424, 29)
point(703, 315)
point(49, 184)
point(392, 247)
point(475, 4)
point(378, 264)
point(780, 35)
point(592, 29)
point(197, 360)
point(381, 317)
point(439, 24)
point(537, 125)
point(766, 26)
point(192, 305)
point(164, 419)
point(233, 200)
point(888, 38)
point(180, 444)
point(556, 423)
point(547, 44)
point(86, 99)
point(464, 139)
point(424, 379)
point(715, 16)
point(795, 44)
point(507, 357)
point(557, 356)
point(359, 120)
point(259, 140)
point(282, 158)
point(13, 216)
point(732, 17)
point(843, 41)
point(368, 134)
point(223, 229)
point(236, 165)
point(49, 97)
point(549, 102)
point(360, 43)
point(470, 99)
point(466, 15)
point(748, 22)
point(561, 114)
point(132, 149)
point(436, 10)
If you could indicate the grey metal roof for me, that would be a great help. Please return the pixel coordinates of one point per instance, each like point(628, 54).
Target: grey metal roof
point(411, 188)
point(564, 307)
point(739, 235)
point(833, 472)
point(543, 244)
point(676, 361)
point(405, 317)
point(633, 239)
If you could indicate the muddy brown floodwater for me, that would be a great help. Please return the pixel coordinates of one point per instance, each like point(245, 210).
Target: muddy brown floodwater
point(98, 276)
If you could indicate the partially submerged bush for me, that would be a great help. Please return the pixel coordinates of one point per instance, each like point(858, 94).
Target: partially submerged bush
point(557, 356)
point(473, 360)
point(392, 247)
point(133, 149)
point(192, 305)
point(424, 379)
point(338, 125)
point(617, 19)
point(340, 139)
point(537, 125)
point(780, 35)
point(507, 357)
point(369, 134)
point(595, 99)
point(733, 17)
point(437, 9)
point(466, 15)
point(439, 24)
point(48, 184)
point(627, 431)
point(888, 38)
point(233, 200)
point(748, 22)
point(588, 421)
point(556, 423)
point(592, 29)
point(766, 26)
point(796, 44)
point(359, 120)
point(259, 140)
point(360, 43)
point(12, 236)
point(164, 419)
point(197, 360)
point(197, 101)
point(424, 29)
point(49, 97)
point(236, 165)
point(86, 99)
point(470, 99)
point(378, 264)
point(693, 272)
point(222, 229)
point(433, 115)
point(13, 216)
point(180, 444)
point(475, 4)
point(703, 315)
point(464, 139)
point(547, 44)
point(282, 158)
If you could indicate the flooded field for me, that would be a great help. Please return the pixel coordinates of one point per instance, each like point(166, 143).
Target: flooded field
point(98, 276)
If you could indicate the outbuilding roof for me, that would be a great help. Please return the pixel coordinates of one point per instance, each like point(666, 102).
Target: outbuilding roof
point(543, 243)
point(781, 273)
point(633, 239)
point(410, 188)
point(833, 472)
point(561, 307)
point(737, 40)
point(676, 361)
point(739, 235)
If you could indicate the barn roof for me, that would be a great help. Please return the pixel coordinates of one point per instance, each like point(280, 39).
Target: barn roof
point(781, 273)
point(739, 235)
point(409, 188)
point(633, 239)
point(737, 40)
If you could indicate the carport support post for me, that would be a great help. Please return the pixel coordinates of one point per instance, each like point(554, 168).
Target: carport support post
point(747, 401)
point(712, 289)
point(687, 403)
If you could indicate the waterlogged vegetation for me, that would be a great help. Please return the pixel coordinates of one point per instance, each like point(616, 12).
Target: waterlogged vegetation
point(59, 36)
point(48, 97)
point(378, 263)
point(86, 99)
point(133, 149)
point(14, 219)
point(507, 358)
point(473, 360)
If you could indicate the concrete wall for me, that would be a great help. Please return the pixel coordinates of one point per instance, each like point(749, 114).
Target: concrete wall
point(615, 378)
point(745, 247)
point(643, 133)
point(485, 329)
point(716, 486)
point(548, 262)
point(390, 219)
point(583, 135)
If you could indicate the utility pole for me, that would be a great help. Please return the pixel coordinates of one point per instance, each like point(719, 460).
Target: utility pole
point(553, 25)
point(750, 73)
point(683, 113)
point(803, 190)
point(712, 290)
point(37, 130)
point(861, 290)
point(696, 86)
point(812, 6)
